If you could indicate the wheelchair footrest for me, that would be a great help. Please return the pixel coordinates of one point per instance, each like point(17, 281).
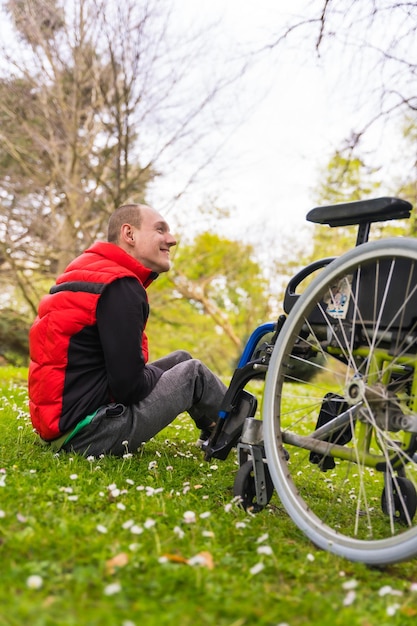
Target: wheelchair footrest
point(229, 429)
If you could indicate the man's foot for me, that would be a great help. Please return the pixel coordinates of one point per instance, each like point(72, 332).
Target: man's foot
point(205, 435)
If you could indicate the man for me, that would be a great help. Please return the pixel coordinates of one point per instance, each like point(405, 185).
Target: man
point(91, 389)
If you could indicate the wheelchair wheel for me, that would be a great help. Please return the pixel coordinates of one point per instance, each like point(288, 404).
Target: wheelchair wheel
point(244, 487)
point(341, 396)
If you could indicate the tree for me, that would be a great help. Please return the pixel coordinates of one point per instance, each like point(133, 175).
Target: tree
point(14, 345)
point(346, 178)
point(214, 296)
point(94, 97)
point(373, 43)
point(367, 48)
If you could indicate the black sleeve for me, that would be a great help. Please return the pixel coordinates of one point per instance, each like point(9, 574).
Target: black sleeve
point(122, 313)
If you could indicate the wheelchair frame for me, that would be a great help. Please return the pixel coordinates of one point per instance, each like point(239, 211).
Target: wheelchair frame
point(327, 455)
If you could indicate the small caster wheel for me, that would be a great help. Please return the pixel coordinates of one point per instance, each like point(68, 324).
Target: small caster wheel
point(245, 489)
point(405, 500)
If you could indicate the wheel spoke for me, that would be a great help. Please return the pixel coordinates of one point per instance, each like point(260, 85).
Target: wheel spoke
point(341, 395)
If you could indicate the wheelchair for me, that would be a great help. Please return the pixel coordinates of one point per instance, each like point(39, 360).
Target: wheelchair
point(337, 437)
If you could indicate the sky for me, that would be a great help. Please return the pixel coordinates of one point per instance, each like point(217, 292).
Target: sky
point(285, 120)
point(299, 109)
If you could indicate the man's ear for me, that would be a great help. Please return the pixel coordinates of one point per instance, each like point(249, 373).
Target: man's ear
point(127, 234)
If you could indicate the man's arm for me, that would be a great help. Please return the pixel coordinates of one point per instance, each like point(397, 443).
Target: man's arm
point(122, 313)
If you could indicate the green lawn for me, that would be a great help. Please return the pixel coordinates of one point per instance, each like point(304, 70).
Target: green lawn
point(157, 538)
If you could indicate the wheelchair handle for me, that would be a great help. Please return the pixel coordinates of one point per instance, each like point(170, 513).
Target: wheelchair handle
point(291, 296)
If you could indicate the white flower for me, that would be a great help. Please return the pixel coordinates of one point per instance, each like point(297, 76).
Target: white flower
point(385, 590)
point(128, 524)
point(310, 557)
point(179, 532)
point(2, 513)
point(205, 515)
point(263, 537)
point(34, 581)
point(350, 584)
point(198, 559)
point(149, 523)
point(349, 598)
point(133, 547)
point(136, 530)
point(392, 609)
point(189, 517)
point(101, 529)
point(264, 550)
point(256, 568)
point(120, 506)
point(111, 589)
point(73, 476)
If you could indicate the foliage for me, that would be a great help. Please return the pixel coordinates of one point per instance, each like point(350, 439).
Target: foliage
point(157, 538)
point(211, 300)
point(407, 184)
point(346, 179)
point(14, 346)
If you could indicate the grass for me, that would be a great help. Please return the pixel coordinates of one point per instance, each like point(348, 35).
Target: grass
point(157, 538)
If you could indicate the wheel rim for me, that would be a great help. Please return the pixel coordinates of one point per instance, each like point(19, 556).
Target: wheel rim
point(368, 384)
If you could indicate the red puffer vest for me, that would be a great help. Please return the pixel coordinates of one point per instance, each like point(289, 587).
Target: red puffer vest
point(71, 306)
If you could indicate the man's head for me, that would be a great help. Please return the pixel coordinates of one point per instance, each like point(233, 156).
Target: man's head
point(144, 234)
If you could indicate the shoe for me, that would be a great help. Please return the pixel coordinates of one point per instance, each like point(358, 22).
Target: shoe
point(203, 438)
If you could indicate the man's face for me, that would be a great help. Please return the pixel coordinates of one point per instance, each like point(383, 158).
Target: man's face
point(152, 241)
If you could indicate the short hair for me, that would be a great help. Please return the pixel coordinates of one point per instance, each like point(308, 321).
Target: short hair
point(125, 214)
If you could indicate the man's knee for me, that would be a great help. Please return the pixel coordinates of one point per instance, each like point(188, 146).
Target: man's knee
point(182, 355)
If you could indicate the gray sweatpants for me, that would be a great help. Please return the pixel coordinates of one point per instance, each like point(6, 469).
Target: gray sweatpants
point(186, 385)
